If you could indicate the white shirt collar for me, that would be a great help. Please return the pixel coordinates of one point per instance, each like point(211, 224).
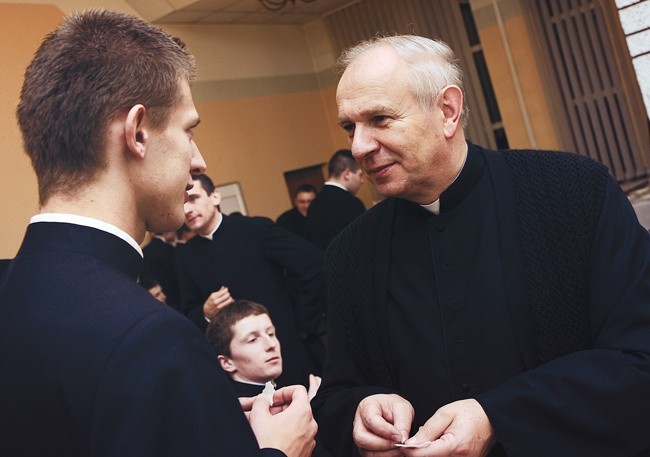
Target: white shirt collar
point(211, 234)
point(87, 222)
point(335, 184)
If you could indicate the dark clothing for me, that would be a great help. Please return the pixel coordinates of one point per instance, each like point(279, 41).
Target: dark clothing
point(330, 212)
point(158, 264)
point(530, 292)
point(295, 222)
point(467, 294)
point(254, 258)
point(92, 365)
point(245, 389)
point(4, 264)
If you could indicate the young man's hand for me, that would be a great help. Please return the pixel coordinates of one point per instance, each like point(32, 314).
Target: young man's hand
point(216, 301)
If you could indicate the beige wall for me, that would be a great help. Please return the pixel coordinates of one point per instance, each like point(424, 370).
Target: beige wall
point(22, 27)
point(255, 140)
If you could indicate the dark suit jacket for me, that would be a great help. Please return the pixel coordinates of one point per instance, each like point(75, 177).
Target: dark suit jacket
point(254, 257)
point(330, 212)
point(4, 264)
point(92, 365)
point(158, 264)
point(295, 222)
point(579, 394)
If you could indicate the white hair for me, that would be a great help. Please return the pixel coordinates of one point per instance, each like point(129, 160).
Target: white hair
point(432, 65)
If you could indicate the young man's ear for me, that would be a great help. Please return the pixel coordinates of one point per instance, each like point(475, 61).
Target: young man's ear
point(216, 197)
point(136, 134)
point(227, 364)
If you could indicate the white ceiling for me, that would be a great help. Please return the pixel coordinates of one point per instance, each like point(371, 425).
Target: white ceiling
point(233, 11)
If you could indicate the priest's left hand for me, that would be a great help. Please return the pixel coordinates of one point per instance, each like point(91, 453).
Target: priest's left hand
point(460, 428)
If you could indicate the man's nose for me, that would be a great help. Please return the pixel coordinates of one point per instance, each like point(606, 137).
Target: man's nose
point(271, 343)
point(363, 142)
point(197, 165)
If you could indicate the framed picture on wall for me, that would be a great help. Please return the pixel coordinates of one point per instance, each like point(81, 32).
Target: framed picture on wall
point(232, 198)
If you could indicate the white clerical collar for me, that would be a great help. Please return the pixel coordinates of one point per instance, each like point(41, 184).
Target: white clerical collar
point(211, 234)
point(433, 207)
point(335, 184)
point(261, 384)
point(87, 222)
point(250, 382)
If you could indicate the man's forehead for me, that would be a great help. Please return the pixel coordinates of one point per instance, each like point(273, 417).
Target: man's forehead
point(197, 188)
point(251, 324)
point(361, 95)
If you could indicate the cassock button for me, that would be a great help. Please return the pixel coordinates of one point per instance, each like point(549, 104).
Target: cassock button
point(466, 387)
point(440, 228)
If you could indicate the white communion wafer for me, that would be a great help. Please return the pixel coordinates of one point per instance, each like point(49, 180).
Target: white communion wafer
point(268, 391)
point(423, 444)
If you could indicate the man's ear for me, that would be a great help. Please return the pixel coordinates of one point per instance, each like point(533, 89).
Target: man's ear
point(136, 134)
point(451, 103)
point(227, 364)
point(216, 197)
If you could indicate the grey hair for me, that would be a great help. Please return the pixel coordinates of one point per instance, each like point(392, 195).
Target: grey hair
point(432, 65)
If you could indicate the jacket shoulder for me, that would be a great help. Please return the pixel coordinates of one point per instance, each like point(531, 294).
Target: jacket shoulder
point(361, 231)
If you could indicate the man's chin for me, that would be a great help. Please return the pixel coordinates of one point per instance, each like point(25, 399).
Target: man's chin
point(167, 226)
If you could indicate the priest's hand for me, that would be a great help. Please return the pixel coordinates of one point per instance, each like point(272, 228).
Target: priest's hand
point(460, 428)
point(381, 421)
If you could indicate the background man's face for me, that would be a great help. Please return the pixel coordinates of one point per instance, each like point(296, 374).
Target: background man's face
point(158, 293)
point(355, 180)
point(200, 209)
point(255, 350)
point(303, 200)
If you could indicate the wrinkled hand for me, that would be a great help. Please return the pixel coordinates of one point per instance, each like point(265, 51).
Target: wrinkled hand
point(314, 385)
point(460, 428)
point(380, 421)
point(288, 425)
point(216, 301)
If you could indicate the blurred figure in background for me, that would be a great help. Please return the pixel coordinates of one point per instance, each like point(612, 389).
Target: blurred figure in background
point(295, 219)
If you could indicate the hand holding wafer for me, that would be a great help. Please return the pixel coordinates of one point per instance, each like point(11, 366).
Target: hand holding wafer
point(459, 429)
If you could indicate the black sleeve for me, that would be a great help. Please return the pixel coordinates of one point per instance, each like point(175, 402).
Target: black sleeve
point(303, 264)
point(162, 393)
point(593, 402)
